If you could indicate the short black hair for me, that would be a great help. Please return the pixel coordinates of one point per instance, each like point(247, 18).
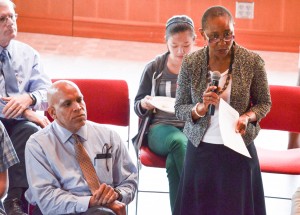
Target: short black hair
point(215, 11)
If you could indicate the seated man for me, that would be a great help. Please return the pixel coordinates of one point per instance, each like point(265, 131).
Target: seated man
point(8, 157)
point(56, 167)
point(23, 87)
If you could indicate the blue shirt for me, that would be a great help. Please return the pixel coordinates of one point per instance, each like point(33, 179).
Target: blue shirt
point(55, 180)
point(29, 73)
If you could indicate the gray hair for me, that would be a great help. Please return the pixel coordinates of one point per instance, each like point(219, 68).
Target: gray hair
point(7, 3)
point(215, 11)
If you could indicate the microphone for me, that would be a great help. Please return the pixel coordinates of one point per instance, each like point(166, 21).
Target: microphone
point(215, 77)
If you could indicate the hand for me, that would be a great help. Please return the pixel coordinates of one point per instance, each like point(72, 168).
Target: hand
point(210, 97)
point(145, 103)
point(242, 123)
point(34, 117)
point(118, 207)
point(104, 195)
point(16, 105)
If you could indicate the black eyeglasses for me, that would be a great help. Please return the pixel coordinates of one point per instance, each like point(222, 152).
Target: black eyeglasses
point(227, 37)
point(12, 17)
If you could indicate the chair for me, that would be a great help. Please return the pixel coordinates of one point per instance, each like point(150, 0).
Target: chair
point(148, 158)
point(284, 116)
point(107, 102)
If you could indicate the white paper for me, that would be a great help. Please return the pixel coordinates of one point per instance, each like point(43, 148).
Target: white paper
point(228, 118)
point(163, 103)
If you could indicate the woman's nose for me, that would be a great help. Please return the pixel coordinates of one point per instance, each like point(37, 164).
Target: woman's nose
point(180, 50)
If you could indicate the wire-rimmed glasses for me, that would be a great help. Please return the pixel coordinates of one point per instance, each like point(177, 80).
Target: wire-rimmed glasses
point(12, 17)
point(227, 37)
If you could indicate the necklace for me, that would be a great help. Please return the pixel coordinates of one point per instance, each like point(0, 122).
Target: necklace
point(229, 70)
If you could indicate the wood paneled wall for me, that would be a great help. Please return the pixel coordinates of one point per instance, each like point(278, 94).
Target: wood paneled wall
point(45, 16)
point(275, 27)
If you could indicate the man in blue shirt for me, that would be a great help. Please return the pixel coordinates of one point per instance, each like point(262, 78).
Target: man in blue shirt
point(8, 158)
point(23, 87)
point(57, 182)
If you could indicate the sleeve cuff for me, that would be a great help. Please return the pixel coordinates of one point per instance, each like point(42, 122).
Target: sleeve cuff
point(82, 204)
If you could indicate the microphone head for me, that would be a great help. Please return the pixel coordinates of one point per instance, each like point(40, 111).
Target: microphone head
point(215, 76)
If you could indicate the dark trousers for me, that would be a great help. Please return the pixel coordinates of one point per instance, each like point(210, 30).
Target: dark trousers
point(91, 211)
point(19, 131)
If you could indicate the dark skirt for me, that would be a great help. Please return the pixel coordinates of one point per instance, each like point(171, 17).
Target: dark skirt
point(219, 181)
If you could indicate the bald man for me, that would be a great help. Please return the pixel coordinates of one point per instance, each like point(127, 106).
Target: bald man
point(56, 182)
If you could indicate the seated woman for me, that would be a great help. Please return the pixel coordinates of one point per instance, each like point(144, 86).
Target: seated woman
point(159, 78)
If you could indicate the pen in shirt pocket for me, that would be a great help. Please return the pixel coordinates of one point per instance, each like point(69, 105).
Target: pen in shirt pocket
point(104, 155)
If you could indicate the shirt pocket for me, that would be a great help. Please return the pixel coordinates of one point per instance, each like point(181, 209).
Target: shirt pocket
point(103, 167)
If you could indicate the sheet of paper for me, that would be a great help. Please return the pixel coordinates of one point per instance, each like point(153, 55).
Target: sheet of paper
point(228, 118)
point(163, 103)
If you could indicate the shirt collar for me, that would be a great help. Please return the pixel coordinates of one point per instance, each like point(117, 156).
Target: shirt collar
point(64, 134)
point(8, 48)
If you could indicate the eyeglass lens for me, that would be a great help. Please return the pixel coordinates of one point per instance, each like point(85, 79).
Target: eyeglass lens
point(227, 38)
point(12, 17)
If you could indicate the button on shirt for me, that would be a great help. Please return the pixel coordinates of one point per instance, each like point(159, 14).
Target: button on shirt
point(29, 73)
point(56, 182)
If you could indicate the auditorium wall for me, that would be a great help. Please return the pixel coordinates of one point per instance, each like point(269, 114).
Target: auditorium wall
point(275, 26)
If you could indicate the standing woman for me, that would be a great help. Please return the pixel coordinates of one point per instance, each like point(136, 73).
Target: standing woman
point(165, 136)
point(217, 180)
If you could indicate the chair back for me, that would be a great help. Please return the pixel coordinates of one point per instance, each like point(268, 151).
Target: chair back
point(284, 114)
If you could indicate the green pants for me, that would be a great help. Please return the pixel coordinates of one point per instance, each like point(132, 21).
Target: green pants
point(167, 140)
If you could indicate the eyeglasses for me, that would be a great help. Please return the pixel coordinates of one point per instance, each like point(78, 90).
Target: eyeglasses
point(227, 37)
point(12, 17)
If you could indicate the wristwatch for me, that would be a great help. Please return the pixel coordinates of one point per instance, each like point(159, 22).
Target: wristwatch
point(33, 99)
point(120, 197)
